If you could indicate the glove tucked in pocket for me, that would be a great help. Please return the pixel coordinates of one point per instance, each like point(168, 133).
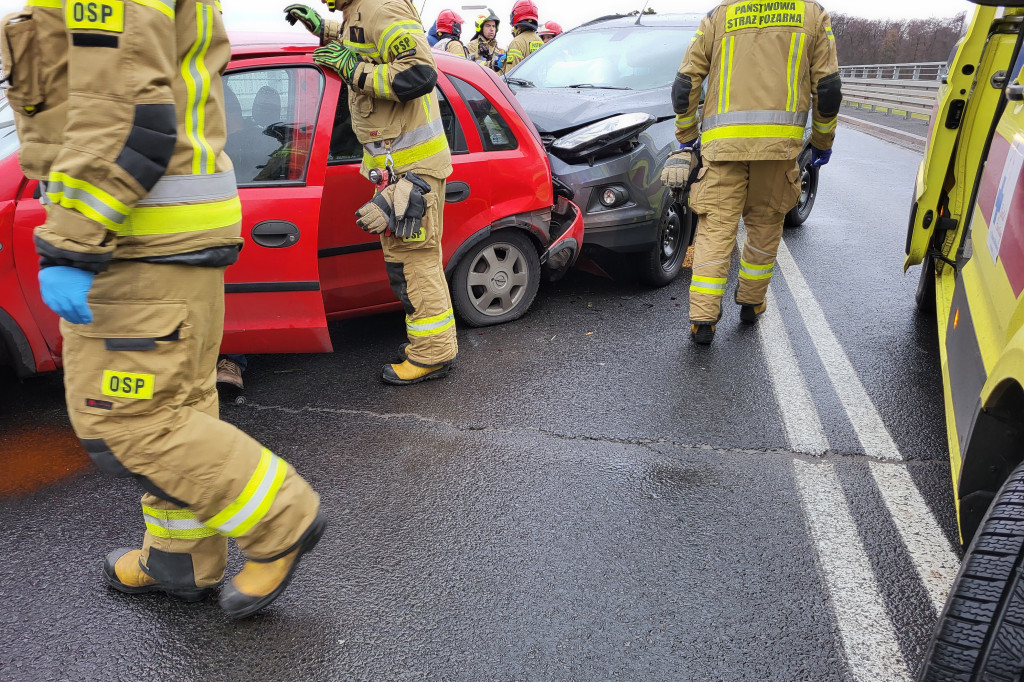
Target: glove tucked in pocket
point(410, 206)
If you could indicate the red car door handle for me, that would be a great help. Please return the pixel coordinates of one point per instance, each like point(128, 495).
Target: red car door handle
point(275, 234)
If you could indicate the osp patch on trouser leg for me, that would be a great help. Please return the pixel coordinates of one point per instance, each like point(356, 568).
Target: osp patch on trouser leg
point(142, 379)
point(774, 189)
point(416, 272)
point(718, 198)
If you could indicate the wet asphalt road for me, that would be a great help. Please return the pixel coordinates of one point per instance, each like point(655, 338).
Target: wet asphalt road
point(587, 497)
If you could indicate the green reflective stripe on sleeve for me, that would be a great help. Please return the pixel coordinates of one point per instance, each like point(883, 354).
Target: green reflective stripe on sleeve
point(756, 131)
point(177, 524)
point(197, 89)
point(254, 501)
point(514, 54)
point(153, 220)
point(826, 127)
point(163, 6)
point(714, 286)
point(394, 32)
point(758, 272)
point(380, 85)
point(365, 49)
point(87, 199)
point(430, 326)
point(795, 59)
point(828, 32)
point(685, 122)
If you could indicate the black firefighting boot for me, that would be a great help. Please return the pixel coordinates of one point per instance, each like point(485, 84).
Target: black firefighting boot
point(261, 582)
point(406, 373)
point(124, 572)
point(702, 333)
point(749, 312)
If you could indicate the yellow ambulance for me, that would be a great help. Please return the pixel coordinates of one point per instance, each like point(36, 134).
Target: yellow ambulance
point(967, 232)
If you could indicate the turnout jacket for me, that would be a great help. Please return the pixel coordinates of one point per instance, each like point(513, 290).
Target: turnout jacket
point(494, 51)
point(119, 107)
point(392, 100)
point(525, 43)
point(767, 63)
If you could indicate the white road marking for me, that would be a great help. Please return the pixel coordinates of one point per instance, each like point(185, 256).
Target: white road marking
point(867, 423)
point(868, 635)
point(799, 416)
point(933, 557)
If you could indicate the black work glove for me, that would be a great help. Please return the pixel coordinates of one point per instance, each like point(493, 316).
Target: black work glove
point(410, 205)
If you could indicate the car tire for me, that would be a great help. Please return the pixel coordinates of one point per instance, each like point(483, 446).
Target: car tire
point(799, 214)
point(925, 296)
point(979, 634)
point(497, 280)
point(662, 263)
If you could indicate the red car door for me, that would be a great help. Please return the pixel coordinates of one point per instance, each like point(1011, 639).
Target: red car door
point(351, 263)
point(275, 128)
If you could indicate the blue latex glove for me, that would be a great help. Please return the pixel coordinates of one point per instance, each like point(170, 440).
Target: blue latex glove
point(818, 157)
point(64, 290)
point(499, 63)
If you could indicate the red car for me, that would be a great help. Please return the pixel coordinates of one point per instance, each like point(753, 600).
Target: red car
point(305, 261)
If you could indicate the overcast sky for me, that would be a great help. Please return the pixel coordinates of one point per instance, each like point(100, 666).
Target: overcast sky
point(267, 15)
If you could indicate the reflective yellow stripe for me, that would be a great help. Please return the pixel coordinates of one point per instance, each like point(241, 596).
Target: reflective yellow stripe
point(756, 131)
point(794, 68)
point(197, 86)
point(828, 32)
point(381, 89)
point(721, 78)
point(514, 54)
point(177, 524)
point(254, 501)
point(365, 49)
point(430, 326)
point(396, 31)
point(152, 220)
point(713, 286)
point(159, 6)
point(728, 76)
point(685, 122)
point(87, 199)
point(755, 272)
point(827, 127)
point(789, 72)
point(52, 4)
point(410, 155)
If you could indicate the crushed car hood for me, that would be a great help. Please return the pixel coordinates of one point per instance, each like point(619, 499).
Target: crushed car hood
point(556, 110)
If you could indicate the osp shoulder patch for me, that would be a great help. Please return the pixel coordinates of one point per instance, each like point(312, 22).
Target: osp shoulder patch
point(764, 14)
point(95, 15)
point(128, 385)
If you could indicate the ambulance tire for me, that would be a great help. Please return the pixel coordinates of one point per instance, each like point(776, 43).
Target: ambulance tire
point(661, 264)
point(980, 634)
point(497, 280)
point(925, 296)
point(799, 214)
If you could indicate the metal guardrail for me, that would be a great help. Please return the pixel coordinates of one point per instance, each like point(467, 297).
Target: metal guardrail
point(908, 90)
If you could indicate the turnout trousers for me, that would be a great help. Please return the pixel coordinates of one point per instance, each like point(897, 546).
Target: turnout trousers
point(761, 192)
point(416, 273)
point(141, 389)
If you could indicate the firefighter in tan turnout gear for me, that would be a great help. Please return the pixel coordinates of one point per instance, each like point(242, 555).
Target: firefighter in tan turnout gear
point(484, 48)
point(382, 54)
point(766, 64)
point(526, 41)
point(120, 110)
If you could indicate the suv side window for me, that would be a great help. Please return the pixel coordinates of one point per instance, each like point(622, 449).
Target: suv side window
point(271, 117)
point(495, 132)
point(345, 148)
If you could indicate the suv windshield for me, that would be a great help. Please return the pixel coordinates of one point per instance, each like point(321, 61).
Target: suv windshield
point(624, 57)
point(8, 135)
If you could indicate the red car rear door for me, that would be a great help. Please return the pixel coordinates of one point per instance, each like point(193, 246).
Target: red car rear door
point(278, 133)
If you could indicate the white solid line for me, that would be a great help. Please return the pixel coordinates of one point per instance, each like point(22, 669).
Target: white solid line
point(799, 416)
point(867, 423)
point(933, 558)
point(868, 635)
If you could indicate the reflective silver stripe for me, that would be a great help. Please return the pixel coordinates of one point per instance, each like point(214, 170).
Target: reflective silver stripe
point(43, 199)
point(424, 133)
point(392, 33)
point(751, 269)
point(796, 118)
point(430, 326)
point(60, 193)
point(827, 126)
point(265, 489)
point(198, 86)
point(174, 524)
point(179, 189)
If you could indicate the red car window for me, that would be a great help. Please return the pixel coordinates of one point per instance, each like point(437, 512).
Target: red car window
point(495, 132)
point(271, 116)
